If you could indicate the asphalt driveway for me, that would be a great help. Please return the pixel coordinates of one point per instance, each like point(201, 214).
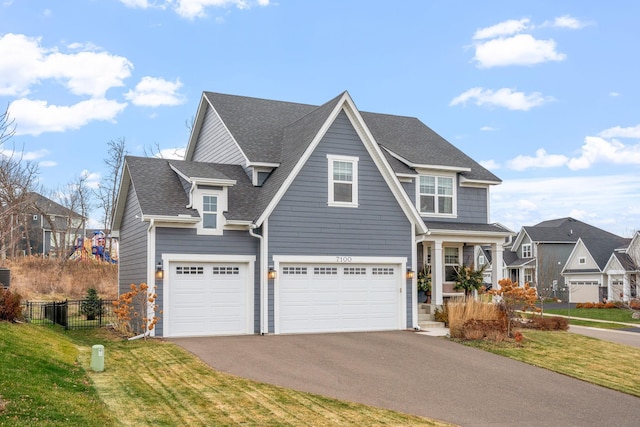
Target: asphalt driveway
point(418, 374)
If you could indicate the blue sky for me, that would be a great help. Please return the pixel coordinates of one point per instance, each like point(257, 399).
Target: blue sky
point(543, 93)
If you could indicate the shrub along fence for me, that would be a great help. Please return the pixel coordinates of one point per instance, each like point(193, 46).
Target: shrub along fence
point(74, 314)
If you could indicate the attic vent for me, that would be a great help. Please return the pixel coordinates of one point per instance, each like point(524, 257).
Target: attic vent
point(35, 217)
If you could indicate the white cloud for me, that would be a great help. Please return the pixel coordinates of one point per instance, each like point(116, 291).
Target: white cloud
point(34, 117)
point(487, 128)
point(490, 164)
point(24, 155)
point(614, 94)
point(48, 164)
point(191, 9)
point(25, 63)
point(541, 160)
point(503, 97)
point(567, 21)
point(620, 132)
point(606, 201)
point(154, 92)
point(505, 28)
point(599, 150)
point(521, 49)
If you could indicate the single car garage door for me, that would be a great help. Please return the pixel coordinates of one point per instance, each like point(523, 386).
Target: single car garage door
point(338, 298)
point(208, 299)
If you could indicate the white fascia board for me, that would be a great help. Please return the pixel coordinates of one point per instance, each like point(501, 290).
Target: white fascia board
point(478, 237)
point(466, 182)
point(613, 264)
point(425, 167)
point(125, 183)
point(262, 165)
point(168, 219)
point(570, 258)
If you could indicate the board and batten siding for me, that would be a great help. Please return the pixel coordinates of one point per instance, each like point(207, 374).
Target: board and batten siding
point(132, 262)
point(186, 241)
point(215, 144)
point(304, 224)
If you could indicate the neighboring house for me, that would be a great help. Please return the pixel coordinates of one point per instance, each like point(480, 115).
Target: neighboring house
point(49, 228)
point(294, 218)
point(553, 255)
point(603, 269)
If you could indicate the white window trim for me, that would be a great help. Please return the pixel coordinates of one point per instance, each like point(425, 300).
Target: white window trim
point(582, 260)
point(454, 196)
point(221, 194)
point(354, 185)
point(445, 264)
point(530, 246)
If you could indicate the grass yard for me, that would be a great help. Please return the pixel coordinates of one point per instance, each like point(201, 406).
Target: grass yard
point(607, 314)
point(46, 380)
point(595, 361)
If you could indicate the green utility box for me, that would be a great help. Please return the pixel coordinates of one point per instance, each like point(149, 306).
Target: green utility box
point(97, 358)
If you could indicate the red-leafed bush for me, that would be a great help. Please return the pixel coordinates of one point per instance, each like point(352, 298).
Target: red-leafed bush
point(10, 305)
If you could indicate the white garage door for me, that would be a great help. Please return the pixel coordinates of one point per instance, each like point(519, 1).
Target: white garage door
point(207, 299)
point(338, 298)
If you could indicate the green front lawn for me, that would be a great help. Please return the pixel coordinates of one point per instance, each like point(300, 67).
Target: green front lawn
point(46, 381)
point(608, 314)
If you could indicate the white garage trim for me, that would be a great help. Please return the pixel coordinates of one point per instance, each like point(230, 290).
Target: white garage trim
point(249, 260)
point(344, 261)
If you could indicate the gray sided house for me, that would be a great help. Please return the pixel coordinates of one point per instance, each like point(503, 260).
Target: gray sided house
point(552, 257)
point(296, 218)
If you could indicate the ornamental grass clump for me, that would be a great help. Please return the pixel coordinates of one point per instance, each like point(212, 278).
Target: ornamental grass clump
point(473, 320)
point(136, 311)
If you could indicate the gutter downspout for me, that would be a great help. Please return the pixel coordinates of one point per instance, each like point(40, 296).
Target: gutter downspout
point(263, 273)
point(151, 253)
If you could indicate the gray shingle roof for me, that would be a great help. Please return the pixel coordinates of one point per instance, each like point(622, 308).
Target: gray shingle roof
point(158, 187)
point(565, 230)
point(602, 248)
point(260, 127)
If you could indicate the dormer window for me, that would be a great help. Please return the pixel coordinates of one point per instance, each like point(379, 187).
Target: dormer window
point(436, 195)
point(210, 202)
point(210, 212)
point(343, 181)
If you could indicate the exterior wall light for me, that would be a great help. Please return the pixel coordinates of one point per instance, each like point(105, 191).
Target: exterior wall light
point(271, 274)
point(409, 273)
point(159, 271)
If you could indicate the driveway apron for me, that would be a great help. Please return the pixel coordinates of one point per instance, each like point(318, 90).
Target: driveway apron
point(418, 374)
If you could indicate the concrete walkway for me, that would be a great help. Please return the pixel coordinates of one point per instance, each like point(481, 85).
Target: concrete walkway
point(418, 374)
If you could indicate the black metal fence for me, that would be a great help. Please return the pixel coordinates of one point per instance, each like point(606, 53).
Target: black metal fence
point(76, 314)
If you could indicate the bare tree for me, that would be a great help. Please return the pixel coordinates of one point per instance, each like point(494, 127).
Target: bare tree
point(108, 188)
point(17, 178)
point(76, 196)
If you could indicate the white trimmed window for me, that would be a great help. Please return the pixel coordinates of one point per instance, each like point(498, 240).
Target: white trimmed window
point(481, 260)
point(436, 195)
point(451, 263)
point(343, 181)
point(582, 260)
point(211, 203)
point(526, 250)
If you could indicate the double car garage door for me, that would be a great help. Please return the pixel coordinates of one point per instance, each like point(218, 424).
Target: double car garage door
point(217, 299)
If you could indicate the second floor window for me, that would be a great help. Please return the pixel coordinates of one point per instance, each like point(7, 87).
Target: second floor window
point(343, 181)
point(526, 250)
point(436, 194)
point(210, 211)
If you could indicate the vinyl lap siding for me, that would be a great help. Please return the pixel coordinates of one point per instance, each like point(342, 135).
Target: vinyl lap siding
point(132, 264)
point(215, 144)
point(303, 223)
point(186, 241)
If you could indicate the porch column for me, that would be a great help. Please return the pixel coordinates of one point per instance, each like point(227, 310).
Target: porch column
point(626, 288)
point(496, 262)
point(437, 273)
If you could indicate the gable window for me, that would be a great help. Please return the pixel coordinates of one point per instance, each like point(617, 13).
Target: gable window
point(436, 195)
point(209, 212)
point(526, 250)
point(343, 181)
point(481, 260)
point(582, 260)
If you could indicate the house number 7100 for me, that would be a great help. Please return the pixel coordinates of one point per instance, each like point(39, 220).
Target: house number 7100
point(343, 259)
